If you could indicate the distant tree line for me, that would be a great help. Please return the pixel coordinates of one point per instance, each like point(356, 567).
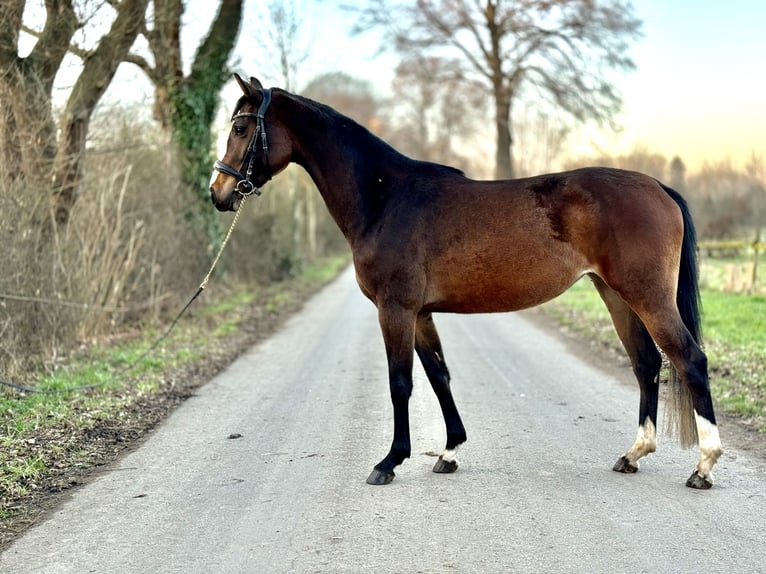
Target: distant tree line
point(727, 201)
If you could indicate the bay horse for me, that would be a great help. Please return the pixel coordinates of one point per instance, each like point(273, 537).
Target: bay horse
point(427, 239)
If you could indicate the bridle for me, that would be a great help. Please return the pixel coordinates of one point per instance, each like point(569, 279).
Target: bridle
point(244, 186)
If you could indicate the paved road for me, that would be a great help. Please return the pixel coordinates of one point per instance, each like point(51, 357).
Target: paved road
point(535, 492)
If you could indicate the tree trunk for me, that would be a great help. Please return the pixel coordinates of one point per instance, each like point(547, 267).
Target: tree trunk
point(186, 106)
point(503, 157)
point(27, 127)
point(98, 70)
point(165, 43)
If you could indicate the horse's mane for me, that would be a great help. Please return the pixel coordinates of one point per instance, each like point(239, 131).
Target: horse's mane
point(367, 142)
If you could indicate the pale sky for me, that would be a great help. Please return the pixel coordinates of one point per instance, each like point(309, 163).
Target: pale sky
point(700, 88)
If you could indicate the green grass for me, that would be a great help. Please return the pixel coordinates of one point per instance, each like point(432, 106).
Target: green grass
point(325, 270)
point(231, 303)
point(18, 473)
point(734, 318)
point(734, 334)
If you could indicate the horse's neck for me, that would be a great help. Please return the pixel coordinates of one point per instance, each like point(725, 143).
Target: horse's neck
point(348, 170)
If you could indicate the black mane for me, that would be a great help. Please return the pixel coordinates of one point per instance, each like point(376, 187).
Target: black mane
point(368, 143)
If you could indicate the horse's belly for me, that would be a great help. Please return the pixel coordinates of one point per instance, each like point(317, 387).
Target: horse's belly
point(489, 289)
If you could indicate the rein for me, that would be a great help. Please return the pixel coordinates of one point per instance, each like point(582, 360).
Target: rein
point(244, 186)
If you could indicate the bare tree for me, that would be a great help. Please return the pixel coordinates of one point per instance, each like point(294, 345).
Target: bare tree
point(438, 108)
point(755, 168)
point(27, 82)
point(639, 159)
point(285, 34)
point(559, 50)
point(185, 104)
point(719, 196)
point(756, 171)
point(678, 174)
point(345, 93)
point(285, 31)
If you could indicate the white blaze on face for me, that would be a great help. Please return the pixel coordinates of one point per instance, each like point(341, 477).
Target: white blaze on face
point(213, 177)
point(710, 445)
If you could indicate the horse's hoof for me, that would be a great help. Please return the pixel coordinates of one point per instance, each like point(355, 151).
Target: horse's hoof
point(699, 482)
point(445, 466)
point(625, 466)
point(380, 477)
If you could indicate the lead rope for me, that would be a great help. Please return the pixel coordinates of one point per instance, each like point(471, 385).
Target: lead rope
point(156, 343)
point(225, 241)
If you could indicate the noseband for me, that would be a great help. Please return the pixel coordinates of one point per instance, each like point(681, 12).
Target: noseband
point(244, 185)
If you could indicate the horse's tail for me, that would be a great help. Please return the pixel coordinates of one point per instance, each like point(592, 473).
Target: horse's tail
point(680, 419)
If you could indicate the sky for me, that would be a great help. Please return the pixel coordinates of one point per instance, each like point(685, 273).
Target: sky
point(699, 91)
point(700, 88)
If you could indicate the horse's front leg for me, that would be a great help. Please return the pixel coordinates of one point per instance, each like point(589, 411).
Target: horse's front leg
point(398, 327)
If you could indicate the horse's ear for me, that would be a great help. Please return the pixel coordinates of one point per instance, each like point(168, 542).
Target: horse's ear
point(249, 89)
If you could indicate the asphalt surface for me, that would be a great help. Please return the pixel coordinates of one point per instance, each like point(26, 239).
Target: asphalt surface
point(311, 411)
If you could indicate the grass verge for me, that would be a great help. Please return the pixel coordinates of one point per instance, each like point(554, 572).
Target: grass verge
point(50, 442)
point(734, 332)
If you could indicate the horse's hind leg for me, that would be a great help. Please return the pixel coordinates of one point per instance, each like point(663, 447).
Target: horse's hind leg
point(429, 350)
point(689, 403)
point(691, 394)
point(646, 363)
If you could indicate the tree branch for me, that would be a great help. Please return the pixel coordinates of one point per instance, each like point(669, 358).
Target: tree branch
point(434, 21)
point(98, 70)
point(213, 53)
point(144, 65)
point(562, 47)
point(60, 25)
point(73, 48)
point(11, 13)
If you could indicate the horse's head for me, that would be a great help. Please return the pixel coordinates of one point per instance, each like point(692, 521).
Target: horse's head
point(257, 148)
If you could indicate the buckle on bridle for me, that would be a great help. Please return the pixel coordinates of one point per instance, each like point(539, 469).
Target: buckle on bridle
point(246, 188)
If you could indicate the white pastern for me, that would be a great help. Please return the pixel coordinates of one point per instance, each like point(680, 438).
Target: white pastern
point(646, 442)
point(710, 445)
point(449, 455)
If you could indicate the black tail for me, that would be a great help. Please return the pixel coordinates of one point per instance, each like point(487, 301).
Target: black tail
point(688, 294)
point(680, 414)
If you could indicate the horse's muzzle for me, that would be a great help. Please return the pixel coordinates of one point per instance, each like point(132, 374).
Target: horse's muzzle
point(231, 202)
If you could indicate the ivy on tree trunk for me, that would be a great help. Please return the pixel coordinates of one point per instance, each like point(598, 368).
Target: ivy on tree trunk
point(186, 105)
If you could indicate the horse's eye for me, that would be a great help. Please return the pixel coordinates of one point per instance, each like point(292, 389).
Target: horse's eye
point(239, 130)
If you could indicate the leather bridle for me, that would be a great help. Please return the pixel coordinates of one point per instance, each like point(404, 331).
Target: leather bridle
point(244, 186)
